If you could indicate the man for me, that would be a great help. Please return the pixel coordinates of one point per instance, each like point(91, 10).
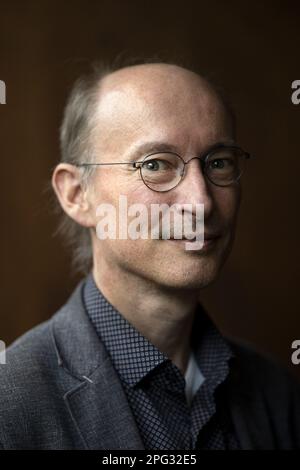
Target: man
point(132, 360)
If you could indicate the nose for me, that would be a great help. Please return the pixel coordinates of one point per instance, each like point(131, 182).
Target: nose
point(194, 187)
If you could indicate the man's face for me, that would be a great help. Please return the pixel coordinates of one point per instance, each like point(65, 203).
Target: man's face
point(167, 105)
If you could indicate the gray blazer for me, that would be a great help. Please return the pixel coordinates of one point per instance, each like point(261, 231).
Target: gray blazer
point(59, 390)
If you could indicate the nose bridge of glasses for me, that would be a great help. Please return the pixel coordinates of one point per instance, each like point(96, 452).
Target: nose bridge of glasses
point(201, 163)
point(197, 173)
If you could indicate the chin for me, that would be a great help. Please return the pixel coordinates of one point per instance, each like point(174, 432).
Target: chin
point(190, 278)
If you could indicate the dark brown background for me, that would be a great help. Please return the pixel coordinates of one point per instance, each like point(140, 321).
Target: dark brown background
point(252, 48)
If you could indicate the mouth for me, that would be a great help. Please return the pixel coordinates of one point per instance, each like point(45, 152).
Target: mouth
point(209, 240)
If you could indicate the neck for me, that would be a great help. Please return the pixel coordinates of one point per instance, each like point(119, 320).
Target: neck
point(164, 316)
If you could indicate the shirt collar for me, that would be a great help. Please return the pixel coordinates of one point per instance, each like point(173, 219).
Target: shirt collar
point(134, 356)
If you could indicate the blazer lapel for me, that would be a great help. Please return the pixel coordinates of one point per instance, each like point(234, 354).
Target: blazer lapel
point(94, 394)
point(101, 412)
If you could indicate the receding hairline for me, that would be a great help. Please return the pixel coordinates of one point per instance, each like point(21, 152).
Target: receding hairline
point(129, 75)
point(155, 67)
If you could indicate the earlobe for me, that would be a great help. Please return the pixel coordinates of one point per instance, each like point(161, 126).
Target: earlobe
point(67, 186)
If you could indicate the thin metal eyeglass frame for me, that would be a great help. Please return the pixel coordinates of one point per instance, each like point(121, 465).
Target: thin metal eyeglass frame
point(203, 159)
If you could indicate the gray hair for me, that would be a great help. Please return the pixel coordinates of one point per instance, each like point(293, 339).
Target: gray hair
point(76, 146)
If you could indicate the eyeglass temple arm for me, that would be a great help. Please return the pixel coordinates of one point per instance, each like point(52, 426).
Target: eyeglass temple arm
point(100, 164)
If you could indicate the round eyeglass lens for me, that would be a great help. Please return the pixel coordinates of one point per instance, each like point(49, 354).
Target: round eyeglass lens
point(225, 165)
point(162, 171)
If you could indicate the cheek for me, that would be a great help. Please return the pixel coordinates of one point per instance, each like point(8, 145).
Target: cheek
point(135, 193)
point(114, 182)
point(143, 195)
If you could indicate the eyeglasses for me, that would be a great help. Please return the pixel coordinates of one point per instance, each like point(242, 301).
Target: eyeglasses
point(223, 165)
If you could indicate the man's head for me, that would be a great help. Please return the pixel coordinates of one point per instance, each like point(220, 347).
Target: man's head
point(129, 110)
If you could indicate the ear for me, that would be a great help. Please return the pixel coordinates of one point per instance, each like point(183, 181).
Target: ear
point(70, 193)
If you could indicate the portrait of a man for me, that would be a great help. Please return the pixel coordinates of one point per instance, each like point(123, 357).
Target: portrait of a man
point(132, 360)
point(150, 230)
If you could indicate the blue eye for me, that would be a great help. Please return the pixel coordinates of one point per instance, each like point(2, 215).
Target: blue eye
point(157, 165)
point(152, 165)
point(218, 163)
point(221, 163)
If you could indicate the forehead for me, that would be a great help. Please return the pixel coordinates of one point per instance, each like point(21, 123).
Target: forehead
point(159, 104)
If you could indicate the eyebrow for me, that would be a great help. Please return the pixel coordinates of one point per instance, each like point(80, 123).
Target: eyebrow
point(151, 147)
point(147, 148)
